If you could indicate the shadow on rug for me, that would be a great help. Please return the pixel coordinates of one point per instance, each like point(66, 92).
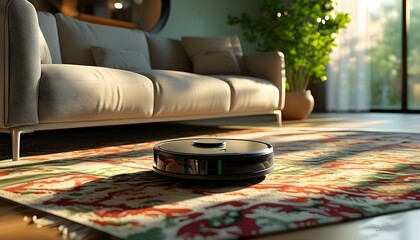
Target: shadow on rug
point(55, 141)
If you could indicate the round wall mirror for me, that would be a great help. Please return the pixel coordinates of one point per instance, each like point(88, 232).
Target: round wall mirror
point(147, 15)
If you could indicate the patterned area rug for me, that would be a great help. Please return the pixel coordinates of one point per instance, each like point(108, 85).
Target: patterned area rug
point(320, 177)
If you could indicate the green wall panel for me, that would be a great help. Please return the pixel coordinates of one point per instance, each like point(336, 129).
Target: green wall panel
point(207, 18)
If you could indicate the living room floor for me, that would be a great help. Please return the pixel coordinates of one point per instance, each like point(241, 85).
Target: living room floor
point(10, 216)
point(389, 122)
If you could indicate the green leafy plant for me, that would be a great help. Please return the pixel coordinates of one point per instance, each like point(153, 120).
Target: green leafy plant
point(303, 30)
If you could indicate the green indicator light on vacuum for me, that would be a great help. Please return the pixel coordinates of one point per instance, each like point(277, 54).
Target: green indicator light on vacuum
point(220, 167)
point(223, 150)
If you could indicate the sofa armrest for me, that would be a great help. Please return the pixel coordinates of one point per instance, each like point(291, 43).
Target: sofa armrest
point(20, 64)
point(269, 66)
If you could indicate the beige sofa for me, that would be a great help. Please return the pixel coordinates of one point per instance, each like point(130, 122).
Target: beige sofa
point(58, 72)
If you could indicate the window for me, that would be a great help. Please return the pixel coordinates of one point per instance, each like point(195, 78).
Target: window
point(413, 60)
point(377, 63)
point(385, 17)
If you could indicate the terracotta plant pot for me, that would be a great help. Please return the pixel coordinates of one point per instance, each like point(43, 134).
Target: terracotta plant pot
point(298, 105)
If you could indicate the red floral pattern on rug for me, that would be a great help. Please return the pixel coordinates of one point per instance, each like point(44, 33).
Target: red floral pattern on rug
point(319, 178)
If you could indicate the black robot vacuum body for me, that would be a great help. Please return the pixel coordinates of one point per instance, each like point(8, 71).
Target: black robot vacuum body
point(213, 158)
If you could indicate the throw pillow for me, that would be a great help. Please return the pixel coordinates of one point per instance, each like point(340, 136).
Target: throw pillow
point(120, 59)
point(213, 55)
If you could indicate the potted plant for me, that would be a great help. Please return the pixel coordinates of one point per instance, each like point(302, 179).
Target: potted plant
point(305, 32)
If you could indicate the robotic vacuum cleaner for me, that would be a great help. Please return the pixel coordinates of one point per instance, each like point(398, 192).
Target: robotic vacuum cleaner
point(213, 158)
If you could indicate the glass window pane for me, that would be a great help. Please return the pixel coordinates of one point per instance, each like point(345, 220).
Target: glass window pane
point(414, 57)
point(385, 30)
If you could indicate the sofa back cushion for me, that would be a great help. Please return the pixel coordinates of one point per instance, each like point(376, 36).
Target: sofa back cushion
point(48, 26)
point(120, 59)
point(77, 38)
point(45, 55)
point(215, 55)
point(167, 54)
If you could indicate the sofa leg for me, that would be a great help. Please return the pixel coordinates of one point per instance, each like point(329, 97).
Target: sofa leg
point(16, 144)
point(278, 117)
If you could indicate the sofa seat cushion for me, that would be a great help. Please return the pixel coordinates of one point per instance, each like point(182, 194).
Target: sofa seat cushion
point(72, 93)
point(183, 94)
point(250, 94)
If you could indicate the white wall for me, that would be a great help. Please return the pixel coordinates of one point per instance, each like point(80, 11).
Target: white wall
point(207, 18)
